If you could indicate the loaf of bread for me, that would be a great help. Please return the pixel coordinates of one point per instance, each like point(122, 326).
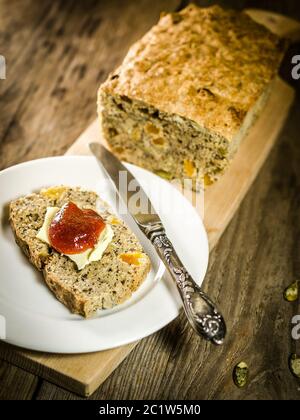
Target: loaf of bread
point(188, 91)
point(101, 284)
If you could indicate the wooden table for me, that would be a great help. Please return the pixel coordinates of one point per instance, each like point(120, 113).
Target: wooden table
point(57, 52)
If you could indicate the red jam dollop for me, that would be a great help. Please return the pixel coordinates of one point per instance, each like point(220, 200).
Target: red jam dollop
point(73, 231)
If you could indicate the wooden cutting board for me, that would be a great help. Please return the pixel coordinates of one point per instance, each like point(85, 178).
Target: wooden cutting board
point(83, 373)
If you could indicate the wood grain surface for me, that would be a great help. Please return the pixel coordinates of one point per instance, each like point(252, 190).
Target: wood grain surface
point(50, 48)
point(84, 373)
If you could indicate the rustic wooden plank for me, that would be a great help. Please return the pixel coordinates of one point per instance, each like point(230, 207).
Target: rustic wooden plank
point(16, 384)
point(174, 363)
point(277, 23)
point(18, 24)
point(287, 7)
point(83, 373)
point(158, 354)
point(50, 48)
point(124, 382)
point(69, 47)
point(79, 372)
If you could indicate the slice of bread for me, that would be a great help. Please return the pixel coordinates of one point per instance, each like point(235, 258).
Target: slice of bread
point(101, 284)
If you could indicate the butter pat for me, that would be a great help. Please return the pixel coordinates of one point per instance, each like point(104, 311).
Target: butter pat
point(84, 258)
point(43, 232)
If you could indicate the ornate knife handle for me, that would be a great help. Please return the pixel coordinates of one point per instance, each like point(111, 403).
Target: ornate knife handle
point(200, 310)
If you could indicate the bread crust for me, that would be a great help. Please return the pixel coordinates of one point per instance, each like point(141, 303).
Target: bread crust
point(201, 63)
point(187, 93)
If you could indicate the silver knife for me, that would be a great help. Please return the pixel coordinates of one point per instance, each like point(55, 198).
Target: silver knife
point(201, 312)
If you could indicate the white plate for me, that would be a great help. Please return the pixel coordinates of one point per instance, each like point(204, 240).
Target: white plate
point(36, 320)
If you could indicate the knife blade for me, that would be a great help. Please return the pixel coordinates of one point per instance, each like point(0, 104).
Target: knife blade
point(201, 312)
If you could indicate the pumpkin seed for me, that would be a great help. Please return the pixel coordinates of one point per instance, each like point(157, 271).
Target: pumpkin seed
point(241, 374)
point(294, 365)
point(291, 293)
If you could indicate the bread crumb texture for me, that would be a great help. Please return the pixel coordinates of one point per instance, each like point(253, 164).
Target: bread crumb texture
point(101, 284)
